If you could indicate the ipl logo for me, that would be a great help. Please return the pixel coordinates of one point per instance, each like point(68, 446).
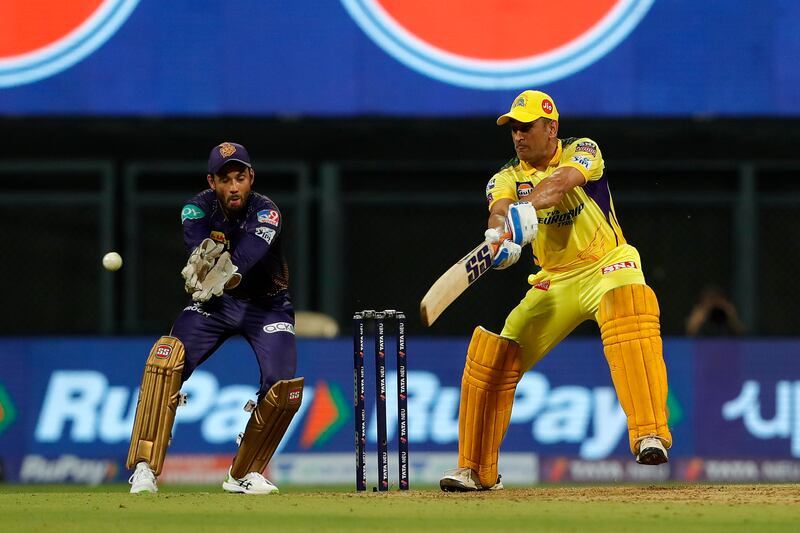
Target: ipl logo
point(40, 39)
point(497, 44)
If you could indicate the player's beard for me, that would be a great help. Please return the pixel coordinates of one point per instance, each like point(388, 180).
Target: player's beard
point(234, 203)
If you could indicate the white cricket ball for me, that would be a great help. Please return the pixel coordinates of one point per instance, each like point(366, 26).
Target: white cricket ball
point(112, 261)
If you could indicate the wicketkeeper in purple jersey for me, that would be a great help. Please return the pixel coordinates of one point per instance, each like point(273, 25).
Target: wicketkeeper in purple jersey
point(238, 280)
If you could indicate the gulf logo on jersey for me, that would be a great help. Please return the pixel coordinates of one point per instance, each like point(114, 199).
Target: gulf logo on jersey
point(497, 44)
point(39, 38)
point(524, 189)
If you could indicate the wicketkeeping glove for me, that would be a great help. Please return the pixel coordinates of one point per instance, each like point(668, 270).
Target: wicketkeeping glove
point(222, 276)
point(507, 253)
point(522, 222)
point(200, 262)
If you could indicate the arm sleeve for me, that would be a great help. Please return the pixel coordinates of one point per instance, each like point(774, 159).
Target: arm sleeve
point(500, 186)
point(196, 223)
point(585, 156)
point(261, 230)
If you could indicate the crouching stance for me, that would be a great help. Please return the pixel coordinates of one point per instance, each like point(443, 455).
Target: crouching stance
point(555, 196)
point(159, 398)
point(237, 277)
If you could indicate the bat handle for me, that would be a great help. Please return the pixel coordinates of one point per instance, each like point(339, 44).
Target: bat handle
point(504, 237)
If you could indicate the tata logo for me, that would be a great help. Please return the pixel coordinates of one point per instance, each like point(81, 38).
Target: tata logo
point(497, 44)
point(40, 39)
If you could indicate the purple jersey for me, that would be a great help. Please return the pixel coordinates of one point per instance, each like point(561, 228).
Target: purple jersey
point(253, 238)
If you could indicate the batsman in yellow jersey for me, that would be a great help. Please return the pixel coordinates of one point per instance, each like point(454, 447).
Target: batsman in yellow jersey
point(555, 196)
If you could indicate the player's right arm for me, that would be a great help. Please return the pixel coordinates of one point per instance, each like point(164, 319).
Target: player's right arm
point(553, 188)
point(498, 212)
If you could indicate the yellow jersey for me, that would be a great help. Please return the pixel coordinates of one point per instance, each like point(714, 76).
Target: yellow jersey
point(580, 229)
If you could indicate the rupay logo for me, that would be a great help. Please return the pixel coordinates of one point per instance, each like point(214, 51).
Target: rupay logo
point(572, 414)
point(81, 406)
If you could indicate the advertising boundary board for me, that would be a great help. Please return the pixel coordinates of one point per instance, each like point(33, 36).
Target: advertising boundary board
point(67, 405)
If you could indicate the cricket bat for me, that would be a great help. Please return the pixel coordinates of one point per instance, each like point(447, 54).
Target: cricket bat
point(455, 281)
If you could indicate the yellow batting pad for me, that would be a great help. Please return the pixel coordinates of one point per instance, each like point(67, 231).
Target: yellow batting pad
point(268, 422)
point(629, 326)
point(490, 379)
point(158, 399)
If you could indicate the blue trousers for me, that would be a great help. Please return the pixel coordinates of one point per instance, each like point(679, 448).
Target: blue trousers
point(268, 326)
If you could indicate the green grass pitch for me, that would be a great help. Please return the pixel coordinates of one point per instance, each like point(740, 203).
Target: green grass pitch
point(683, 508)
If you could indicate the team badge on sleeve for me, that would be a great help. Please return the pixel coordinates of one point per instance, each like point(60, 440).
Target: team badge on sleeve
point(490, 186)
point(585, 162)
point(191, 212)
point(269, 216)
point(588, 147)
point(265, 233)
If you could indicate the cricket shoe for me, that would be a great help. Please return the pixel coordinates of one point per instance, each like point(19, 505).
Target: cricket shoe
point(465, 480)
point(143, 479)
point(651, 452)
point(252, 483)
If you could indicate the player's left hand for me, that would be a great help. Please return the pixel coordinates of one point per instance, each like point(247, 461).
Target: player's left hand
point(222, 276)
point(522, 222)
point(200, 262)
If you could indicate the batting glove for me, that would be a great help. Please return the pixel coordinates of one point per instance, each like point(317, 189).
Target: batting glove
point(507, 253)
point(522, 222)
